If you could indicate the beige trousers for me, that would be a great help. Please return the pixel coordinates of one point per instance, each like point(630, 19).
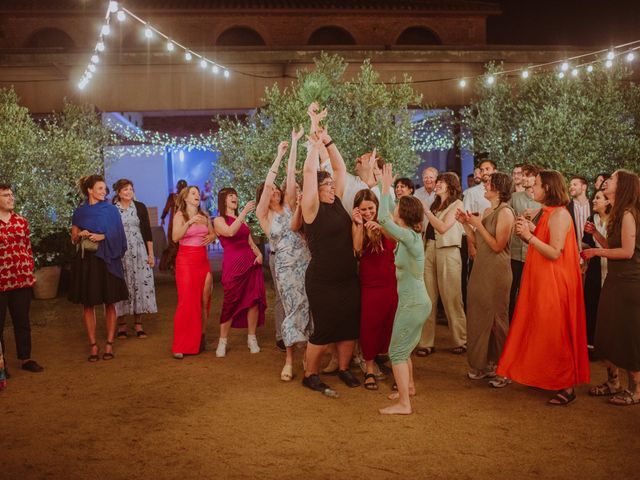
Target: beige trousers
point(442, 277)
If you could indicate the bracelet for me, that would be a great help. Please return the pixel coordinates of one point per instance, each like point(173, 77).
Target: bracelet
point(327, 145)
point(529, 239)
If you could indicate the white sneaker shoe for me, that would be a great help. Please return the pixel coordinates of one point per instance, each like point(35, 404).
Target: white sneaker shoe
point(221, 351)
point(252, 343)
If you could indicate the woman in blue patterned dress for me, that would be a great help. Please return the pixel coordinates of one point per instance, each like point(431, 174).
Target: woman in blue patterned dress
point(280, 217)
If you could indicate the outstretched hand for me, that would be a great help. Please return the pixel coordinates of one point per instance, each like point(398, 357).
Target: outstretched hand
point(282, 148)
point(249, 207)
point(295, 136)
point(316, 117)
point(387, 177)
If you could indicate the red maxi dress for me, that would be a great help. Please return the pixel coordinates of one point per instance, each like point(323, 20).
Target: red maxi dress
point(379, 296)
point(192, 267)
point(547, 342)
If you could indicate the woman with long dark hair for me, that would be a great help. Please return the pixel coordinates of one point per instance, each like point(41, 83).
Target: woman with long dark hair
point(490, 281)
point(167, 261)
point(97, 276)
point(276, 211)
point(193, 231)
point(378, 289)
point(138, 260)
point(443, 265)
point(547, 342)
point(244, 302)
point(617, 337)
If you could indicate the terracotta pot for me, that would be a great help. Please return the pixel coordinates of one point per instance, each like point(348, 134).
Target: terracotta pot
point(47, 282)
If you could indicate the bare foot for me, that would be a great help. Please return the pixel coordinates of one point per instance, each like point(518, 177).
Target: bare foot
point(396, 395)
point(396, 409)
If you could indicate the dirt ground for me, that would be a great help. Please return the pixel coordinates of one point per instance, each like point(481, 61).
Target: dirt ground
point(145, 415)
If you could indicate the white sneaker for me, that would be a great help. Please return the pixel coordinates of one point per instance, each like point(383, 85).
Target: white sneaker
point(499, 382)
point(252, 343)
point(221, 351)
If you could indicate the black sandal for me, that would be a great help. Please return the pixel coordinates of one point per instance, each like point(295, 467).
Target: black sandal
point(122, 334)
point(562, 398)
point(424, 351)
point(108, 355)
point(459, 350)
point(94, 358)
point(140, 333)
point(370, 385)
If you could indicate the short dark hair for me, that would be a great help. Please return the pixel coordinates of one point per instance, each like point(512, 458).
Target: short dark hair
point(411, 212)
point(87, 182)
point(222, 200)
point(181, 184)
point(503, 184)
point(5, 186)
point(407, 182)
point(488, 160)
point(582, 179)
point(555, 187)
point(530, 170)
point(471, 175)
point(518, 165)
point(322, 176)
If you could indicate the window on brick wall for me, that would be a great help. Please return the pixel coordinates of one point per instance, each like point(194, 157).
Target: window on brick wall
point(240, 37)
point(331, 36)
point(49, 38)
point(418, 36)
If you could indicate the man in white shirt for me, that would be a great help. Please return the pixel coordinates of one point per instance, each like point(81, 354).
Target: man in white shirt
point(474, 201)
point(427, 194)
point(579, 207)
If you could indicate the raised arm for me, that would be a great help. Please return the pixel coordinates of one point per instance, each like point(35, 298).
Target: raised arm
point(262, 209)
point(310, 201)
point(385, 218)
point(441, 226)
point(290, 193)
point(628, 241)
point(357, 230)
point(559, 225)
point(224, 230)
point(337, 163)
point(296, 218)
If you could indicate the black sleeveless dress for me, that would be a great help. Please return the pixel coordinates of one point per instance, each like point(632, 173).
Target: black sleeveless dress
point(331, 281)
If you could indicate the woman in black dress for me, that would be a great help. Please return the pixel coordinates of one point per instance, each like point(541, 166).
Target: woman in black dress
point(97, 276)
point(332, 282)
point(618, 324)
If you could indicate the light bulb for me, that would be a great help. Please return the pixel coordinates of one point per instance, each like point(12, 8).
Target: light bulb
point(608, 64)
point(590, 68)
point(100, 46)
point(561, 75)
point(611, 55)
point(525, 74)
point(95, 58)
point(215, 69)
point(462, 83)
point(574, 72)
point(564, 67)
point(187, 56)
point(170, 46)
point(88, 75)
point(203, 63)
point(106, 30)
point(491, 80)
point(92, 67)
point(121, 16)
point(630, 56)
point(83, 83)
point(113, 7)
point(226, 74)
point(148, 32)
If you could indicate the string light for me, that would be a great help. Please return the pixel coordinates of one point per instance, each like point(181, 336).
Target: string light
point(188, 56)
point(106, 30)
point(148, 33)
point(226, 73)
point(574, 72)
point(630, 56)
point(608, 63)
point(564, 67)
point(203, 63)
point(113, 7)
point(611, 55)
point(100, 46)
point(95, 58)
point(170, 46)
point(463, 83)
point(525, 74)
point(590, 68)
point(491, 80)
point(91, 67)
point(561, 75)
point(121, 16)
point(215, 69)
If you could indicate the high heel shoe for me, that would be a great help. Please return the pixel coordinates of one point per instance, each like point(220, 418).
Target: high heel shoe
point(108, 355)
point(94, 358)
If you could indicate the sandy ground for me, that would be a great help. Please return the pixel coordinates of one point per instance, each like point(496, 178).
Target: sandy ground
point(146, 415)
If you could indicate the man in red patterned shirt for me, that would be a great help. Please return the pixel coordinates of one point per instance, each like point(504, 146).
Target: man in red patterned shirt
point(16, 277)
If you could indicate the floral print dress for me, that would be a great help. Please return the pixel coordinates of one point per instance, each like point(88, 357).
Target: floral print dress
point(137, 272)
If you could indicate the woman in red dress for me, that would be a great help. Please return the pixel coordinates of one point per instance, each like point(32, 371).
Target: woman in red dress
point(547, 342)
point(378, 290)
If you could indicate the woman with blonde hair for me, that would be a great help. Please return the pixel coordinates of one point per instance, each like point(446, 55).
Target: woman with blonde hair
point(193, 231)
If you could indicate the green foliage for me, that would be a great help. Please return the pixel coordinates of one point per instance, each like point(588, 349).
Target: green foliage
point(363, 114)
point(578, 125)
point(43, 163)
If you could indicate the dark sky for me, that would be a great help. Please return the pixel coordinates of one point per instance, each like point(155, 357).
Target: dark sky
point(565, 22)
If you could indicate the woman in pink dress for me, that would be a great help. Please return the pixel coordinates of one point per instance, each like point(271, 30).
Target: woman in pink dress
point(378, 289)
point(244, 301)
point(193, 230)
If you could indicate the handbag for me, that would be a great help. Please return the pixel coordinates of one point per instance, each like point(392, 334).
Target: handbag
point(86, 245)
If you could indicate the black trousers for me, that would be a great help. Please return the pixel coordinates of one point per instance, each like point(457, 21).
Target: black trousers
point(18, 302)
point(464, 255)
point(516, 270)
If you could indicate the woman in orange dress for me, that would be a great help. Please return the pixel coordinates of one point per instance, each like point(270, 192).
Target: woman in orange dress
point(547, 342)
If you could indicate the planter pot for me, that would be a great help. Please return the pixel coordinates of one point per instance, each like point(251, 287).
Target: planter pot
point(47, 282)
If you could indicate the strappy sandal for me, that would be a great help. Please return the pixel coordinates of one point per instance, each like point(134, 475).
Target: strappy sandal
point(94, 358)
point(287, 373)
point(424, 351)
point(603, 390)
point(624, 399)
point(122, 334)
point(108, 355)
point(370, 385)
point(140, 333)
point(562, 398)
point(459, 350)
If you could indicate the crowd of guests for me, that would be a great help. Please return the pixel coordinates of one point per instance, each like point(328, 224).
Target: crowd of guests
point(532, 276)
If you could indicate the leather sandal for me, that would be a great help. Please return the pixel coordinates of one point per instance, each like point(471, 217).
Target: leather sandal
point(424, 351)
point(140, 333)
point(94, 358)
point(108, 355)
point(370, 385)
point(562, 398)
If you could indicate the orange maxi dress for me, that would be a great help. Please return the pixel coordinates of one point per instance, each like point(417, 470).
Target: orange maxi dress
point(547, 342)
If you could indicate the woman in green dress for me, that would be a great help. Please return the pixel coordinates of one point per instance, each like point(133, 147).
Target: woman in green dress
point(404, 223)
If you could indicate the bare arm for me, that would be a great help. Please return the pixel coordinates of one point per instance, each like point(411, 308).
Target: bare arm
point(441, 226)
point(224, 230)
point(337, 163)
point(357, 231)
point(262, 209)
point(256, 251)
point(310, 201)
point(290, 192)
point(559, 225)
point(628, 240)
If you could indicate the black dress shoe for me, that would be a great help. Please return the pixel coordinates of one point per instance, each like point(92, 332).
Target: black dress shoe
point(281, 346)
point(314, 383)
point(32, 366)
point(348, 378)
